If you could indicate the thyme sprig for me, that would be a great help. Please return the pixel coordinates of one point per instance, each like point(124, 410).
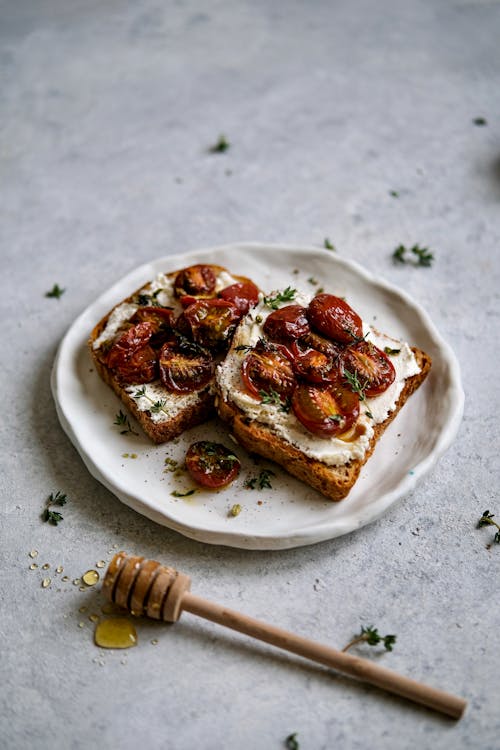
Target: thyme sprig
point(357, 387)
point(487, 520)
point(291, 742)
point(52, 516)
point(287, 295)
point(121, 420)
point(274, 398)
point(422, 256)
point(156, 406)
point(371, 636)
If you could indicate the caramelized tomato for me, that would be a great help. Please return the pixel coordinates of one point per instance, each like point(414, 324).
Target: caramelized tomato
point(316, 367)
point(209, 322)
point(198, 280)
point(374, 370)
point(211, 464)
point(131, 357)
point(333, 317)
point(325, 411)
point(266, 370)
point(287, 324)
point(183, 370)
point(243, 295)
point(161, 318)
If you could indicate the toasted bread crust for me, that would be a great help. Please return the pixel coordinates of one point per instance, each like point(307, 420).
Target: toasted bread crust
point(158, 432)
point(334, 482)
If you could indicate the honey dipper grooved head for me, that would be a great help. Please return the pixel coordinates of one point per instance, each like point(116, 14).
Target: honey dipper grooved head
point(145, 587)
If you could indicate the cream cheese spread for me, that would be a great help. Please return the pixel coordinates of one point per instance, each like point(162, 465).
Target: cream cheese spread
point(331, 451)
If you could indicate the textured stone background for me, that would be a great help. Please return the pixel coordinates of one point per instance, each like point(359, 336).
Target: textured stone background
point(106, 112)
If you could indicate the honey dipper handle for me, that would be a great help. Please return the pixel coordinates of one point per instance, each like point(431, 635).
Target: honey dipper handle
point(363, 669)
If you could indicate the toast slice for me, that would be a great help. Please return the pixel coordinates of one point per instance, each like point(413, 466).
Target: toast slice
point(263, 430)
point(162, 412)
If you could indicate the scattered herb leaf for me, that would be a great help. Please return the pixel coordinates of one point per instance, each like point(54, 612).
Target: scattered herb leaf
point(221, 145)
point(479, 121)
point(51, 516)
point(56, 292)
point(291, 742)
point(423, 256)
point(388, 350)
point(58, 499)
point(263, 481)
point(235, 510)
point(312, 280)
point(394, 193)
point(328, 245)
point(176, 493)
point(487, 520)
point(372, 637)
point(287, 295)
point(121, 420)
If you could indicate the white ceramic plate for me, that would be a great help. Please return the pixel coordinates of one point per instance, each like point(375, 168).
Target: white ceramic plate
point(290, 514)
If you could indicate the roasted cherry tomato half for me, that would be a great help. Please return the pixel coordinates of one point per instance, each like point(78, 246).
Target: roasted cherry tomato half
point(325, 411)
point(209, 322)
point(316, 367)
point(287, 324)
point(211, 464)
point(131, 357)
point(198, 280)
point(313, 340)
point(243, 294)
point(184, 370)
point(333, 317)
point(162, 320)
point(267, 370)
point(374, 370)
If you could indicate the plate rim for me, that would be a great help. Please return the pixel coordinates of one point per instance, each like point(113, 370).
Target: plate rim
point(264, 540)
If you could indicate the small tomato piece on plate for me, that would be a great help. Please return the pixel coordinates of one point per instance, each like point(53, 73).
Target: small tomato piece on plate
point(333, 317)
point(183, 370)
point(211, 465)
point(131, 357)
point(373, 368)
point(287, 324)
point(325, 411)
point(243, 294)
point(209, 322)
point(198, 280)
point(266, 370)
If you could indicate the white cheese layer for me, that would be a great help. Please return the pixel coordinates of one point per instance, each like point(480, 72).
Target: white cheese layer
point(331, 451)
point(163, 405)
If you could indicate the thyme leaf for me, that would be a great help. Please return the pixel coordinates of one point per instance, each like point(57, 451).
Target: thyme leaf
point(121, 420)
point(263, 481)
point(176, 493)
point(487, 520)
point(220, 146)
point(287, 295)
point(372, 637)
point(51, 516)
point(328, 245)
point(423, 256)
point(56, 292)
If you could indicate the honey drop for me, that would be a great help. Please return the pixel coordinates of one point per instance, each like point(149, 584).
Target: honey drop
point(115, 632)
point(90, 578)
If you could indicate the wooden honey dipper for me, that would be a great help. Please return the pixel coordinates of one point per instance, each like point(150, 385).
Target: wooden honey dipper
point(146, 587)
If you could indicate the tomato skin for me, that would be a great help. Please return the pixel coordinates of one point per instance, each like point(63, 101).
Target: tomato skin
point(287, 324)
point(162, 320)
point(184, 372)
point(243, 294)
point(268, 369)
point(333, 317)
point(316, 367)
point(373, 368)
point(209, 322)
point(131, 357)
point(313, 340)
point(325, 411)
point(211, 465)
point(197, 280)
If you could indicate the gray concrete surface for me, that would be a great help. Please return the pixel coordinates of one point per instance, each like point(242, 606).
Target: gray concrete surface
point(106, 112)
